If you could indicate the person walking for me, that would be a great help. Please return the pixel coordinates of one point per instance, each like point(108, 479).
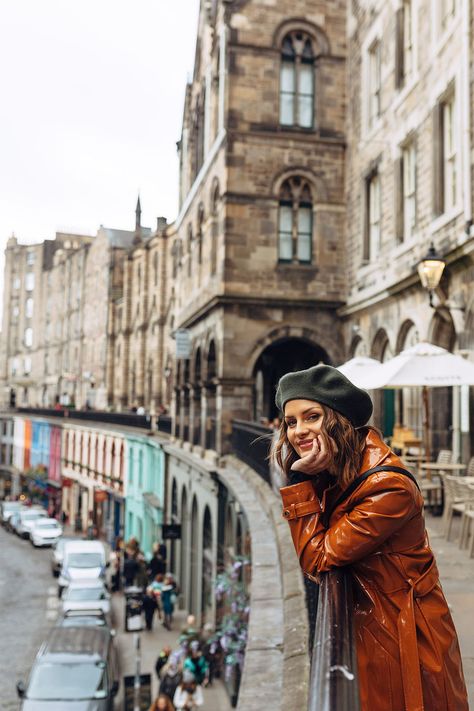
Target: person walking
point(171, 679)
point(350, 502)
point(167, 598)
point(162, 703)
point(162, 660)
point(188, 696)
point(149, 607)
point(196, 664)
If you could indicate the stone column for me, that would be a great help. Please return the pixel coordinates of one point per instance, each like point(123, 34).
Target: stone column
point(234, 401)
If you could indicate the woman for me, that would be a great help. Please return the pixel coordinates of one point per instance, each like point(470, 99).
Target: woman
point(188, 696)
point(167, 601)
point(407, 648)
point(162, 703)
point(171, 678)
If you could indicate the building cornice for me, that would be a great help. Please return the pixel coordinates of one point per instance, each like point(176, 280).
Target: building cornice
point(462, 251)
point(225, 300)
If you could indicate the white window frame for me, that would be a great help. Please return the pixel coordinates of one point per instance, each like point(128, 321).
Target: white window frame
point(409, 190)
point(29, 281)
point(374, 77)
point(409, 54)
point(450, 154)
point(374, 216)
point(28, 337)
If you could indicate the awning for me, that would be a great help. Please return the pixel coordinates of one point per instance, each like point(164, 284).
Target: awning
point(152, 500)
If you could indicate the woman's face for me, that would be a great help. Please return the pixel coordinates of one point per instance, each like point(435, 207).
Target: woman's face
point(304, 419)
point(162, 705)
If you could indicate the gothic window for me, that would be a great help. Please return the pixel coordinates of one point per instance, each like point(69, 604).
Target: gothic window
point(297, 81)
point(189, 249)
point(155, 268)
point(295, 223)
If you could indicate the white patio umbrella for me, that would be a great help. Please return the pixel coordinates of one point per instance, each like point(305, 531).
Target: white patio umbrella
point(361, 371)
point(426, 366)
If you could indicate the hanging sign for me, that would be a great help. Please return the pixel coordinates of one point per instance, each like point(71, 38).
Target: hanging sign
point(183, 344)
point(171, 531)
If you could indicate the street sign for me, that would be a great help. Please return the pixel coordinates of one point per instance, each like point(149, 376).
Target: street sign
point(183, 344)
point(171, 531)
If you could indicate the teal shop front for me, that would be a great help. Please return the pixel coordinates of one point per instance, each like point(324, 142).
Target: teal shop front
point(145, 491)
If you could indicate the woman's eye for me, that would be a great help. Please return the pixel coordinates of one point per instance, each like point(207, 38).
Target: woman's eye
point(313, 417)
point(290, 424)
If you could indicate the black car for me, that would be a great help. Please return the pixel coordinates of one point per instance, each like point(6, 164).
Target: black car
point(75, 668)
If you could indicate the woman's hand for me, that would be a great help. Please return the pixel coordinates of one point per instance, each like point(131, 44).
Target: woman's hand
point(316, 461)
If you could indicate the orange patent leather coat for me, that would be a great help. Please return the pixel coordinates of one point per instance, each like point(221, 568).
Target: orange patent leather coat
point(407, 648)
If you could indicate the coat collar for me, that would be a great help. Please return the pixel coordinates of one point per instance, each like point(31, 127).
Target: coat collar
point(375, 452)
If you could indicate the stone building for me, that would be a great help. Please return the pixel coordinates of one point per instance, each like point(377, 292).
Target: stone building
point(33, 318)
point(257, 250)
point(136, 308)
point(409, 184)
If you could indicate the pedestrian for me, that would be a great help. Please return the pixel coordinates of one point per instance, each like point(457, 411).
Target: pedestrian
point(188, 695)
point(162, 660)
point(350, 503)
point(196, 663)
point(157, 564)
point(141, 577)
point(149, 607)
point(157, 586)
point(189, 633)
point(130, 568)
point(167, 599)
point(171, 679)
point(162, 703)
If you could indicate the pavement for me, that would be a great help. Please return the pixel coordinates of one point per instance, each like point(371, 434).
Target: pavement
point(151, 643)
point(457, 578)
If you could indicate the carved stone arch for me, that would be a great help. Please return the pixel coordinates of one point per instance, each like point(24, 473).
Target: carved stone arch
point(283, 333)
point(405, 328)
point(442, 331)
point(380, 343)
point(357, 344)
point(211, 360)
point(316, 182)
point(319, 37)
point(197, 365)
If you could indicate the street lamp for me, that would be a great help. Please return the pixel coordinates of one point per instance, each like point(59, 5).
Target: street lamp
point(430, 270)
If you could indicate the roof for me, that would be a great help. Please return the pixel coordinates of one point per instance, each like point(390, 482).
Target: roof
point(87, 641)
point(124, 238)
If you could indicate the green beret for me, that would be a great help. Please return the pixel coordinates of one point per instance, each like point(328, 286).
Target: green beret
point(330, 387)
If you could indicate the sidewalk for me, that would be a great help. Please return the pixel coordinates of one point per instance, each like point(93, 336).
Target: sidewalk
point(456, 571)
point(215, 696)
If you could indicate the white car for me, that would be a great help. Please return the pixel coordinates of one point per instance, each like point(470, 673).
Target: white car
point(58, 554)
point(45, 532)
point(87, 596)
point(82, 560)
point(27, 519)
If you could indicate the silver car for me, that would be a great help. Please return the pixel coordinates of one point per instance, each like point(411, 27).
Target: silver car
point(86, 595)
point(27, 519)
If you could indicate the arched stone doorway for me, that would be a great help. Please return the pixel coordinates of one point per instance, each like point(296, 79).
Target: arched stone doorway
point(183, 578)
point(194, 562)
point(384, 400)
point(207, 567)
point(443, 334)
point(282, 356)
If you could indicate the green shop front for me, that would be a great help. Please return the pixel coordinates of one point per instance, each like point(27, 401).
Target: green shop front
point(145, 491)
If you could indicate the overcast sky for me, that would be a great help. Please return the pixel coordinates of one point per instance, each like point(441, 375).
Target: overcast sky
point(91, 104)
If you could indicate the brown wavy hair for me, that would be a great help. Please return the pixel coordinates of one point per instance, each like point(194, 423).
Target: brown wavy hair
point(345, 441)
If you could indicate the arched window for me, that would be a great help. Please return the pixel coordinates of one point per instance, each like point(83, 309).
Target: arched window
point(189, 249)
point(295, 222)
point(297, 81)
point(155, 269)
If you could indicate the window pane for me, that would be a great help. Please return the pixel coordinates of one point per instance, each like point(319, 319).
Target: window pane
point(285, 250)
point(287, 93)
point(287, 77)
point(305, 108)
point(304, 234)
point(305, 96)
point(305, 79)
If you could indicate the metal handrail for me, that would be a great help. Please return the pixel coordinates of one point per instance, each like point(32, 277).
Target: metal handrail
point(334, 682)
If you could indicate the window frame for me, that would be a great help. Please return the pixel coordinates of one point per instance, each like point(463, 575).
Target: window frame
point(296, 62)
point(374, 76)
point(296, 201)
point(409, 189)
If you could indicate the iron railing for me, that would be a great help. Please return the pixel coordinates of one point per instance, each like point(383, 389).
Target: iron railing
point(128, 419)
point(334, 680)
point(251, 443)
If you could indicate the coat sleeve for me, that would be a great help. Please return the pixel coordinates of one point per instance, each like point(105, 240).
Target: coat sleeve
point(381, 508)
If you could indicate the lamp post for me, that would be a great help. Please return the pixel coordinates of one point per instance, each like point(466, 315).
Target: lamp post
point(430, 270)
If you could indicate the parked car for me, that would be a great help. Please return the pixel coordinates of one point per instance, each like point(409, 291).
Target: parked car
point(84, 618)
point(82, 560)
point(27, 517)
point(7, 509)
point(45, 532)
point(58, 553)
point(75, 668)
point(86, 595)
